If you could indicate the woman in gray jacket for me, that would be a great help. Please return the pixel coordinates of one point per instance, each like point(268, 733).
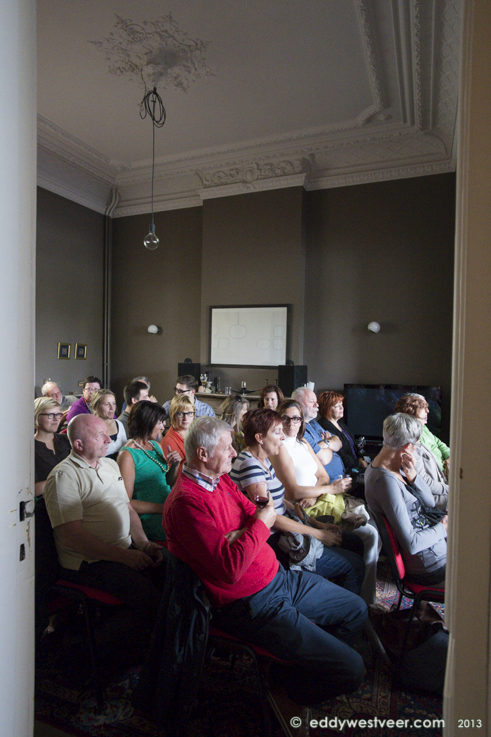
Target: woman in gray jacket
point(394, 489)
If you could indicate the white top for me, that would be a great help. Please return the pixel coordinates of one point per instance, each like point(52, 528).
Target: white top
point(121, 439)
point(305, 465)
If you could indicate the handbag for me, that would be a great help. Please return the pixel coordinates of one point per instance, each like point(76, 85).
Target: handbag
point(355, 514)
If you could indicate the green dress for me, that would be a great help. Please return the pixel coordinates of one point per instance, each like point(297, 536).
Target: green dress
point(150, 486)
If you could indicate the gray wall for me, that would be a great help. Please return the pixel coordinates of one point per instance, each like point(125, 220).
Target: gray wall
point(69, 289)
point(381, 252)
point(160, 287)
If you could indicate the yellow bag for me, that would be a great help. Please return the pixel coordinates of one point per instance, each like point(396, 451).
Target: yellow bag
point(328, 504)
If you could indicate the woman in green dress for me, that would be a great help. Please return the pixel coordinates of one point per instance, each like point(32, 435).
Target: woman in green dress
point(147, 475)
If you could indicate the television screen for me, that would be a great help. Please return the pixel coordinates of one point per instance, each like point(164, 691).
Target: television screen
point(367, 406)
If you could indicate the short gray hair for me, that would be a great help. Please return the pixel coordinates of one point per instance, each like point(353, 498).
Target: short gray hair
point(401, 429)
point(299, 394)
point(205, 432)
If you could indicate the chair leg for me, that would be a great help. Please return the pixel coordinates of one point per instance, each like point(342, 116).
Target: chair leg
point(99, 693)
point(408, 628)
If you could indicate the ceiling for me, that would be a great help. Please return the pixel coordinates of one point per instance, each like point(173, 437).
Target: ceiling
point(259, 94)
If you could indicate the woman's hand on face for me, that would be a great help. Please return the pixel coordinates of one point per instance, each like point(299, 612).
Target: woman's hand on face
point(407, 465)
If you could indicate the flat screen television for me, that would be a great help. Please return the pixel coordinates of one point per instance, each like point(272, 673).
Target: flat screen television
point(367, 406)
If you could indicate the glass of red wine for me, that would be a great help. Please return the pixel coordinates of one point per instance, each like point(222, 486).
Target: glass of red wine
point(261, 496)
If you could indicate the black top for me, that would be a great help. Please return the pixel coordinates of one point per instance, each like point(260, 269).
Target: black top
point(349, 458)
point(44, 458)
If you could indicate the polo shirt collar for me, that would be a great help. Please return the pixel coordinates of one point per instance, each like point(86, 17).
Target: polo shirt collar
point(82, 462)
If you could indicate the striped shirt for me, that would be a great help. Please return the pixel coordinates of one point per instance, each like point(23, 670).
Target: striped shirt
point(248, 470)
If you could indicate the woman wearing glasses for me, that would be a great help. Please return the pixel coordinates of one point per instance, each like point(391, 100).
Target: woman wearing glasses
point(182, 413)
point(304, 477)
point(146, 474)
point(50, 447)
point(232, 410)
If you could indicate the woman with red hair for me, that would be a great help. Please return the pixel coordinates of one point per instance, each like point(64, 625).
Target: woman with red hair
point(331, 411)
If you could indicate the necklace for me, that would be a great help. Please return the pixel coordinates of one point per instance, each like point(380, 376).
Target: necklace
point(155, 460)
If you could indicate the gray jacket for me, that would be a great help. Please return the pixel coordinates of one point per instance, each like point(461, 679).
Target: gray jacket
point(428, 469)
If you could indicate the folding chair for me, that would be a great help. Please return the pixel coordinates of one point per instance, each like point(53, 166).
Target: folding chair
point(414, 591)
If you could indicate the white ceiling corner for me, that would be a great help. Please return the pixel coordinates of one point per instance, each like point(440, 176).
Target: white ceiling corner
point(282, 94)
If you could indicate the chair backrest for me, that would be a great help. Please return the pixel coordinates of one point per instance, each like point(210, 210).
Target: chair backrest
point(390, 545)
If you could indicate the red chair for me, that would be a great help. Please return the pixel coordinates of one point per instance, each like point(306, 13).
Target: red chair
point(88, 599)
point(414, 591)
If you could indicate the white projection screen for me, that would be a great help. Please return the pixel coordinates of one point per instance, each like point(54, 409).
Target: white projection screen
point(248, 336)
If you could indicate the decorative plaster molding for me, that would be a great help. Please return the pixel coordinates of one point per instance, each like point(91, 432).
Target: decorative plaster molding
point(154, 53)
point(370, 55)
point(160, 205)
point(381, 175)
point(295, 180)
point(247, 173)
point(72, 195)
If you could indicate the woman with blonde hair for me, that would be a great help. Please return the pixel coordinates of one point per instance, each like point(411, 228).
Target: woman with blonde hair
point(181, 412)
point(232, 410)
point(103, 405)
point(50, 447)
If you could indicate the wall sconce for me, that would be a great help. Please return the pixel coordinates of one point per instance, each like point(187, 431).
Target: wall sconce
point(154, 329)
point(374, 327)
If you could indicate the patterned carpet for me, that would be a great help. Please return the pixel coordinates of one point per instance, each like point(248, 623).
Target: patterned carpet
point(227, 704)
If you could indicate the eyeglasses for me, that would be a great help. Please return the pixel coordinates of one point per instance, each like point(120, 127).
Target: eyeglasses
point(52, 415)
point(181, 391)
point(294, 420)
point(185, 414)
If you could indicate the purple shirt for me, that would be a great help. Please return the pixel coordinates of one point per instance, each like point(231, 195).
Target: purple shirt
point(78, 408)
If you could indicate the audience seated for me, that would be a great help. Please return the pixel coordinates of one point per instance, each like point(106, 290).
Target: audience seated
point(103, 405)
point(394, 489)
point(431, 457)
point(304, 477)
point(134, 392)
point(331, 410)
point(82, 405)
point(223, 537)
point(188, 385)
point(324, 445)
point(146, 381)
point(147, 476)
point(98, 535)
point(271, 396)
point(232, 410)
point(254, 474)
point(182, 414)
point(51, 389)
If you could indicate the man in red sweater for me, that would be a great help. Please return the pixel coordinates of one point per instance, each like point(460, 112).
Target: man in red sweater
point(297, 616)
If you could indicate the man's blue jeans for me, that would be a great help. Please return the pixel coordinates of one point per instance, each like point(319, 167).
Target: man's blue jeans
point(307, 621)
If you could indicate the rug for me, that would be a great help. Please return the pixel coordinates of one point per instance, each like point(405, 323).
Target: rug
point(227, 703)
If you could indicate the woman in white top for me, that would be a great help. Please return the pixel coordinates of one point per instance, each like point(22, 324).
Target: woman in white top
point(103, 405)
point(304, 477)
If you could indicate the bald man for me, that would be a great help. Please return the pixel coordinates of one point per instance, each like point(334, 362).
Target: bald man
point(98, 535)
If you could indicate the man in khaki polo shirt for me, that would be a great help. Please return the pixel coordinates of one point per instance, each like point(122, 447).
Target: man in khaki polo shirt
point(98, 535)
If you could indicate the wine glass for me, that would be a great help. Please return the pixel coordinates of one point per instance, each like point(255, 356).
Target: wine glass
point(261, 495)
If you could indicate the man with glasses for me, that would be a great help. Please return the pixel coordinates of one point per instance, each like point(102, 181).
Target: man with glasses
point(82, 405)
point(52, 390)
point(187, 386)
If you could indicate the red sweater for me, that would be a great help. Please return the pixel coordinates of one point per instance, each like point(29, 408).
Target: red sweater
point(196, 522)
